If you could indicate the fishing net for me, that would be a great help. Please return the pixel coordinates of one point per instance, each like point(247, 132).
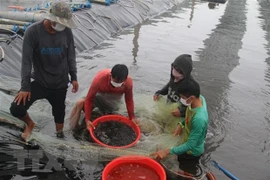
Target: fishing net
point(164, 117)
point(153, 138)
point(94, 25)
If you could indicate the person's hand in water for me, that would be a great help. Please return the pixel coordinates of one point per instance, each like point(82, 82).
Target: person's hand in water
point(136, 121)
point(156, 97)
point(178, 130)
point(176, 113)
point(160, 154)
point(89, 124)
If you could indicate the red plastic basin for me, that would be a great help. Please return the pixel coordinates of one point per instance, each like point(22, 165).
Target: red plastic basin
point(133, 168)
point(117, 118)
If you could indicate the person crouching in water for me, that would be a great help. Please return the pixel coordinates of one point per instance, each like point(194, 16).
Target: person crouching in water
point(180, 70)
point(105, 93)
point(194, 128)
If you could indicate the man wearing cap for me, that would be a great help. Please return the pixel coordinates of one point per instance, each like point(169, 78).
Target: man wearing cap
point(48, 47)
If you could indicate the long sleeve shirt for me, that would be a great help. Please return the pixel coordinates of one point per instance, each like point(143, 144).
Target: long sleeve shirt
point(48, 58)
point(102, 84)
point(194, 128)
point(171, 90)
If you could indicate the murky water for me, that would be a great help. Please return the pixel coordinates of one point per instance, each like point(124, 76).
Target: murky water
point(230, 45)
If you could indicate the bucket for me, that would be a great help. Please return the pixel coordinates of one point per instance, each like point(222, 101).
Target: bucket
point(117, 118)
point(133, 167)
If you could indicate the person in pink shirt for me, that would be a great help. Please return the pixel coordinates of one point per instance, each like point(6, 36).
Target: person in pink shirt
point(106, 92)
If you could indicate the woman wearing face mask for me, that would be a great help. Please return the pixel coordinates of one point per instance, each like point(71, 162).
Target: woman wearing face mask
point(180, 69)
point(105, 93)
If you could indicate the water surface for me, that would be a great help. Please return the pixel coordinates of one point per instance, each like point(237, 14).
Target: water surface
point(230, 46)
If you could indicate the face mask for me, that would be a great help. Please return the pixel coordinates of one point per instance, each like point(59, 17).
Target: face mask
point(114, 84)
point(177, 75)
point(184, 102)
point(59, 27)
